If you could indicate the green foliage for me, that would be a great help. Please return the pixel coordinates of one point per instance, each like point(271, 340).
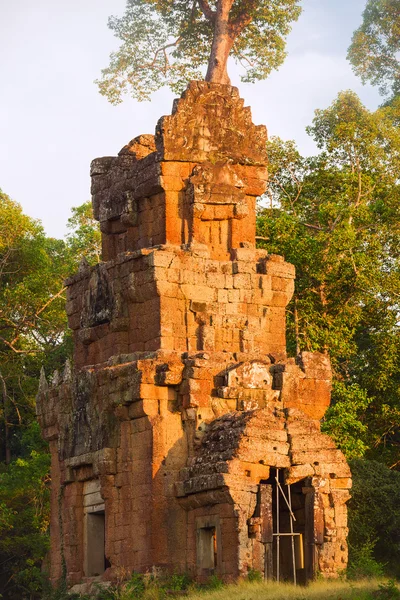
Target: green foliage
point(214, 583)
point(362, 564)
point(336, 217)
point(168, 43)
point(33, 323)
point(179, 582)
point(375, 47)
point(254, 575)
point(85, 237)
point(136, 585)
point(60, 592)
point(374, 519)
point(388, 591)
point(24, 519)
point(32, 318)
point(33, 333)
point(145, 587)
point(345, 419)
point(317, 590)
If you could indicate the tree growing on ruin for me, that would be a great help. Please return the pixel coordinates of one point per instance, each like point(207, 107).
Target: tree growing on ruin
point(375, 47)
point(167, 43)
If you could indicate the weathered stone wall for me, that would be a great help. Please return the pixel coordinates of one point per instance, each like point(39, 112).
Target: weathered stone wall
point(239, 450)
point(175, 299)
point(182, 403)
point(194, 183)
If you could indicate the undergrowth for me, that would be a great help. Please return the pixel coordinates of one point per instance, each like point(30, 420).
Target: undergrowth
point(148, 587)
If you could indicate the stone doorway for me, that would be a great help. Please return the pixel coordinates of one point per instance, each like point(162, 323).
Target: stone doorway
point(208, 546)
point(289, 529)
point(95, 560)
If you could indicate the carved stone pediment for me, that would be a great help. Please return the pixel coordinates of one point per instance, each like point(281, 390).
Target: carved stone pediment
point(98, 302)
point(217, 192)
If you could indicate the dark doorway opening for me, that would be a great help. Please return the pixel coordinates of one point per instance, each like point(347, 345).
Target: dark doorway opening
point(289, 529)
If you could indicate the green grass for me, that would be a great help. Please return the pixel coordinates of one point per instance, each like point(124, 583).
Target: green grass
point(138, 588)
point(320, 590)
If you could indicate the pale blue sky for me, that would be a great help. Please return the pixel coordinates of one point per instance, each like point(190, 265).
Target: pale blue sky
point(53, 121)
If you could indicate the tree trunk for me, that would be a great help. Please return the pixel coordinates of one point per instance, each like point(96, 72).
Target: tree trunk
point(222, 44)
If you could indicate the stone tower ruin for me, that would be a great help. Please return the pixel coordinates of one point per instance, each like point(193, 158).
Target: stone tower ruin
point(184, 437)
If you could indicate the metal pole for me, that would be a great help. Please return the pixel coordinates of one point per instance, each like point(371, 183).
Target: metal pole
point(287, 503)
point(292, 536)
point(277, 525)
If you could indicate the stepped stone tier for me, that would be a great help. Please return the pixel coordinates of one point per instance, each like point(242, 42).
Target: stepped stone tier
point(183, 437)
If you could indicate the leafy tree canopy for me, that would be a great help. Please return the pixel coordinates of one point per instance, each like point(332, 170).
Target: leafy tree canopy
point(168, 43)
point(33, 333)
point(84, 238)
point(374, 517)
point(375, 47)
point(24, 522)
point(31, 269)
point(33, 323)
point(336, 216)
point(32, 317)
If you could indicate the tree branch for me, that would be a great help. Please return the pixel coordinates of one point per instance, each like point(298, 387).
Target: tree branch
point(207, 11)
point(10, 345)
point(353, 263)
point(313, 226)
point(162, 50)
point(50, 301)
point(16, 410)
point(243, 18)
point(242, 57)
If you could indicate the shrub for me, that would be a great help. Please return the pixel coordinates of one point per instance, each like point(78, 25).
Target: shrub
point(387, 591)
point(254, 575)
point(214, 583)
point(374, 517)
point(362, 564)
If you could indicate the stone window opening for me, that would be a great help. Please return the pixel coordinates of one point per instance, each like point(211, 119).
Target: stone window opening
point(95, 560)
point(207, 543)
point(208, 548)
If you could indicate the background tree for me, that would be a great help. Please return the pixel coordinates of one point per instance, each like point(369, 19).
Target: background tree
point(84, 238)
point(374, 520)
point(336, 216)
point(33, 334)
point(167, 43)
point(32, 316)
point(24, 521)
point(375, 47)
